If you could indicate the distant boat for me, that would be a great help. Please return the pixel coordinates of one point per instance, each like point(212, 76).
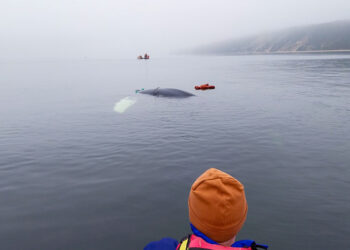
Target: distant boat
point(146, 57)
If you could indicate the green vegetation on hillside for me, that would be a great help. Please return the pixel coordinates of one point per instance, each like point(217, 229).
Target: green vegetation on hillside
point(333, 36)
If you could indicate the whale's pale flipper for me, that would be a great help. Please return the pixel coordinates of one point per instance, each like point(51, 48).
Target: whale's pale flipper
point(124, 104)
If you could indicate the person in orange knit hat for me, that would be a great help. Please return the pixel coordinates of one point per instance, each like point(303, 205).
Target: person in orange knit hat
point(217, 210)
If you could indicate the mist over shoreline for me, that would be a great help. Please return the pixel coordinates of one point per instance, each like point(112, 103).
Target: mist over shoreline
point(69, 30)
point(333, 37)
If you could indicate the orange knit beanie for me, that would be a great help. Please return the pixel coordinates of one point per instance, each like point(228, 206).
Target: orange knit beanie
point(217, 205)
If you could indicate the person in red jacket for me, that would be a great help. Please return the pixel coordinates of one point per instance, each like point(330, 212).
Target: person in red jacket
point(217, 208)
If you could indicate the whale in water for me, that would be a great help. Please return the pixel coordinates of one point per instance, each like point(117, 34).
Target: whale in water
point(166, 92)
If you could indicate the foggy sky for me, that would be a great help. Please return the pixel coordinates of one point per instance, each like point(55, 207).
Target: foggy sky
point(35, 29)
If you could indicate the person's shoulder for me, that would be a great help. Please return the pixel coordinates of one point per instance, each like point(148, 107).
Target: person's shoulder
point(249, 243)
point(163, 244)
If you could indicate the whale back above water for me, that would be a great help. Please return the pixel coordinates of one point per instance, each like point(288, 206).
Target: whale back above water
point(167, 92)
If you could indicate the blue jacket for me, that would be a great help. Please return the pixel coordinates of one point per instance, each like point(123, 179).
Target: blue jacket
point(171, 244)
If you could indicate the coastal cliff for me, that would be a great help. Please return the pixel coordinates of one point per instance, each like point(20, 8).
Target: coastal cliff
point(328, 37)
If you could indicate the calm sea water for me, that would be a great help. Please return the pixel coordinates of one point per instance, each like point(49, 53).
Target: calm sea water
point(77, 175)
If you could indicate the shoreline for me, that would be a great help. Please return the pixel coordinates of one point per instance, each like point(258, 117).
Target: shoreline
point(309, 52)
point(282, 52)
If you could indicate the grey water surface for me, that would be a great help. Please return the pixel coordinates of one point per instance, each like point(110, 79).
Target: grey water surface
point(77, 175)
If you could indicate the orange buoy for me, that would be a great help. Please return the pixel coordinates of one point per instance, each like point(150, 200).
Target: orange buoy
point(204, 87)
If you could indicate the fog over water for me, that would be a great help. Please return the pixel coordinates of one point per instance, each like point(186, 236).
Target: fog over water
point(68, 29)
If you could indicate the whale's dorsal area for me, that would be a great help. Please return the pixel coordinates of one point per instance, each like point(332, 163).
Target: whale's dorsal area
point(174, 93)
